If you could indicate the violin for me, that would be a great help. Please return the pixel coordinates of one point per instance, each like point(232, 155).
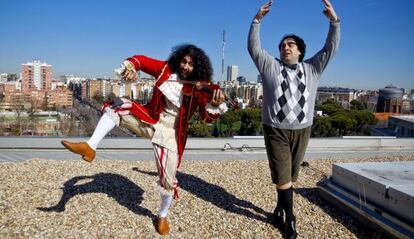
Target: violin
point(204, 90)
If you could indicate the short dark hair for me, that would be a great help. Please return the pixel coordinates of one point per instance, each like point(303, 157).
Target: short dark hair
point(202, 65)
point(299, 42)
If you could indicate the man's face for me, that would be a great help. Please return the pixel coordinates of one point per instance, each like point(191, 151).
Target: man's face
point(289, 52)
point(186, 67)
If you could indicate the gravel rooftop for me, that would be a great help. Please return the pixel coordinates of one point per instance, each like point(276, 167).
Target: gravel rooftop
point(118, 199)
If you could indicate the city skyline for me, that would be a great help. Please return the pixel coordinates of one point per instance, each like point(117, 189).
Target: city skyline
point(91, 38)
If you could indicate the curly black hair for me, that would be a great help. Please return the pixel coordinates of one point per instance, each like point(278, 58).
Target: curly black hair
point(202, 66)
point(299, 42)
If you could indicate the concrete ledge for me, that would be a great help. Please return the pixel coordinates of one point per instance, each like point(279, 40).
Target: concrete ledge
point(379, 193)
point(17, 149)
point(389, 185)
point(365, 213)
point(315, 144)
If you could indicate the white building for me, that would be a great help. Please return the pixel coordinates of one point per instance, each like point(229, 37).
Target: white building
point(232, 72)
point(36, 75)
point(73, 79)
point(3, 77)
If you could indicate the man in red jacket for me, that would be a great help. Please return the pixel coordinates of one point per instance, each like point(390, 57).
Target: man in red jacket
point(164, 120)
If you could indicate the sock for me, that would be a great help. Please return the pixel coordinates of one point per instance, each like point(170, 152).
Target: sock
point(166, 200)
point(105, 125)
point(287, 196)
point(280, 202)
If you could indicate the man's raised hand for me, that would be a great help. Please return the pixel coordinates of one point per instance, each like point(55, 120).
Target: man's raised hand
point(263, 10)
point(329, 11)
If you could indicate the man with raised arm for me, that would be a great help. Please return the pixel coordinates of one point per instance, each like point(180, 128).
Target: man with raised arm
point(289, 91)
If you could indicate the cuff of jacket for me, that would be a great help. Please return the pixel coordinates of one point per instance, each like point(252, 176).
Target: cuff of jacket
point(215, 110)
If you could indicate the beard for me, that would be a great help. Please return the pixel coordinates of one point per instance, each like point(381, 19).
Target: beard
point(184, 76)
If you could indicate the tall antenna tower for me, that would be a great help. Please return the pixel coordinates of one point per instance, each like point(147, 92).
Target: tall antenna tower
point(223, 45)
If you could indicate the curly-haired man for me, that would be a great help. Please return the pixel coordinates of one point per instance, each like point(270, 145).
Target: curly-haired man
point(165, 118)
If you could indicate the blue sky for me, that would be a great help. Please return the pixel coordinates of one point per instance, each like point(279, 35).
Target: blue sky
point(90, 37)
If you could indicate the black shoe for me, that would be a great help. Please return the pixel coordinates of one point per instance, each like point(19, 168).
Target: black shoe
point(277, 218)
point(290, 229)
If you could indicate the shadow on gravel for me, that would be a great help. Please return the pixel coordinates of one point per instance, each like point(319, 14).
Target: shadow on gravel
point(120, 188)
point(311, 194)
point(216, 195)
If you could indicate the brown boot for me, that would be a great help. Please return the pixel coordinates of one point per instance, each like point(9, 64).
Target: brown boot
point(162, 225)
point(82, 148)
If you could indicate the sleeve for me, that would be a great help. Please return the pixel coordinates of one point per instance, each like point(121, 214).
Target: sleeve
point(209, 113)
point(260, 56)
point(321, 59)
point(146, 64)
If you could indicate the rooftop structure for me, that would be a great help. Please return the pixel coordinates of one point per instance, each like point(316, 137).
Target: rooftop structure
point(59, 194)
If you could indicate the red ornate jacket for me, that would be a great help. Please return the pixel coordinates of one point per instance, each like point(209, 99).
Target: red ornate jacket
point(150, 113)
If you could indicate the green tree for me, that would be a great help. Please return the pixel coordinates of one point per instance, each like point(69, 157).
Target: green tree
point(111, 96)
point(330, 107)
point(98, 97)
point(228, 119)
point(355, 121)
point(200, 129)
point(251, 122)
point(252, 102)
point(216, 131)
point(322, 127)
point(357, 105)
point(363, 119)
point(344, 122)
